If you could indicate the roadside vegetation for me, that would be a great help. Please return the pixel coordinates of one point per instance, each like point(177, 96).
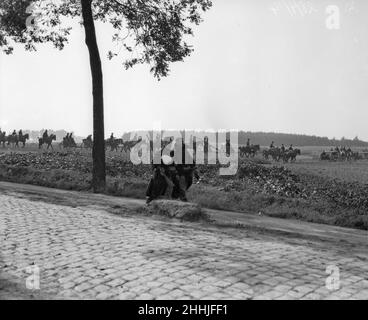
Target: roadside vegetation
point(308, 191)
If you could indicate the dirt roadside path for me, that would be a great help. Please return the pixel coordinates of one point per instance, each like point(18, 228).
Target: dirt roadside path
point(355, 238)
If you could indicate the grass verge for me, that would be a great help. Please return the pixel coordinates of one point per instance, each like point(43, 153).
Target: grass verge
point(205, 195)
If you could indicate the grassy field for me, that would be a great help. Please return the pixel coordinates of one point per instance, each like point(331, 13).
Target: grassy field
point(324, 192)
point(351, 172)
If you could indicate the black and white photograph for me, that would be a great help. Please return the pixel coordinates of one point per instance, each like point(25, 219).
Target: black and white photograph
point(196, 152)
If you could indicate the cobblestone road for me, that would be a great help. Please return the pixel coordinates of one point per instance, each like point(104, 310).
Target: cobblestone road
point(89, 253)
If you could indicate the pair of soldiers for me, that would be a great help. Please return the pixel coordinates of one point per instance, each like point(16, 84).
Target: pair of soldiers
point(15, 133)
point(69, 140)
point(69, 136)
point(170, 179)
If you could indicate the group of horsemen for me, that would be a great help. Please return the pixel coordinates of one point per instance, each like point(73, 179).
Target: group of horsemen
point(276, 153)
point(14, 134)
point(339, 153)
point(13, 138)
point(281, 153)
point(169, 179)
point(68, 140)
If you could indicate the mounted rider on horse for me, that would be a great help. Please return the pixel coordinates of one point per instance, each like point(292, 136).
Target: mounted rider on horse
point(68, 141)
point(249, 150)
point(88, 142)
point(22, 138)
point(46, 139)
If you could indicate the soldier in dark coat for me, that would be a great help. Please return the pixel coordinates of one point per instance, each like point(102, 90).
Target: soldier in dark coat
point(163, 180)
point(187, 171)
point(172, 179)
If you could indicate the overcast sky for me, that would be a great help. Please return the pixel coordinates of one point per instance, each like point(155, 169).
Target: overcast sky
point(257, 65)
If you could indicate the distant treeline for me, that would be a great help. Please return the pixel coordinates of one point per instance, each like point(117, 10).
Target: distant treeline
point(265, 139)
point(301, 140)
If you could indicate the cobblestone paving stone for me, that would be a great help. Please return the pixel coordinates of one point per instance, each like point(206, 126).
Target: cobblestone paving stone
point(85, 253)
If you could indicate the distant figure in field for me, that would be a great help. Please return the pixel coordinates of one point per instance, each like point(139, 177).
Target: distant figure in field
point(291, 148)
point(68, 141)
point(272, 145)
point(112, 137)
point(282, 148)
point(88, 143)
point(248, 142)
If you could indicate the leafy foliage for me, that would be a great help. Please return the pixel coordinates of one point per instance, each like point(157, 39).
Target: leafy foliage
point(31, 22)
point(152, 31)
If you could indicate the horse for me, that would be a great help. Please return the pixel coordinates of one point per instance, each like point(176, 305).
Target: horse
point(355, 156)
point(128, 145)
point(335, 155)
point(68, 143)
point(266, 154)
point(47, 140)
point(113, 144)
point(255, 149)
point(291, 155)
point(3, 138)
point(275, 154)
point(87, 143)
point(249, 151)
point(324, 156)
point(23, 139)
point(13, 140)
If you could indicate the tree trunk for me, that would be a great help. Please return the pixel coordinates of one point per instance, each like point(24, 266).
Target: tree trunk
point(98, 152)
